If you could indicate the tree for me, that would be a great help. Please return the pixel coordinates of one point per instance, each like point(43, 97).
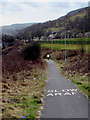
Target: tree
point(31, 51)
point(7, 38)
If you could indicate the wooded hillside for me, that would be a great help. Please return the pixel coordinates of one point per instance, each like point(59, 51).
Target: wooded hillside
point(72, 25)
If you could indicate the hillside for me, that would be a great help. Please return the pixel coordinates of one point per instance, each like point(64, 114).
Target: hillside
point(25, 70)
point(14, 28)
point(70, 25)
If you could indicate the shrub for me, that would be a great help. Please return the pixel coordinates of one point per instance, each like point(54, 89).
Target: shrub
point(31, 51)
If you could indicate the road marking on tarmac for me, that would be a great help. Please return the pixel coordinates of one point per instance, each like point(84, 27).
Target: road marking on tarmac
point(64, 92)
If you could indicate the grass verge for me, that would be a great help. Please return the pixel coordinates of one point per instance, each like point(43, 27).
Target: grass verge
point(23, 83)
point(80, 80)
point(23, 99)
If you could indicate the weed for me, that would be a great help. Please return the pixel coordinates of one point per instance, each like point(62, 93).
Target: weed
point(78, 83)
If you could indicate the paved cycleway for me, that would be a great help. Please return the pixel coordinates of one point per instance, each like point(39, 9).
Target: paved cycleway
point(62, 98)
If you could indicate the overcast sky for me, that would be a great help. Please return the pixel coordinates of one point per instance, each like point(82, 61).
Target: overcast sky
point(28, 11)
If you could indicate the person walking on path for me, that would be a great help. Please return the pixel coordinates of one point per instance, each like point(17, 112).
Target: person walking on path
point(48, 56)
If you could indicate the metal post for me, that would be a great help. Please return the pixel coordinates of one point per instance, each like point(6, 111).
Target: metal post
point(65, 41)
point(65, 50)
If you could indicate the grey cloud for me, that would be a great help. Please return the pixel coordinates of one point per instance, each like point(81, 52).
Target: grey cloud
point(11, 7)
point(14, 8)
point(69, 4)
point(60, 4)
point(33, 4)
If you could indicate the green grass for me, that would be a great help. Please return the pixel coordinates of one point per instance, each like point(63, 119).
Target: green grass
point(65, 47)
point(73, 39)
point(28, 101)
point(30, 106)
point(77, 15)
point(53, 29)
point(81, 81)
point(83, 86)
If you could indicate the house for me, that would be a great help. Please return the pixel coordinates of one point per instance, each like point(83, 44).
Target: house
point(51, 36)
point(87, 34)
point(35, 39)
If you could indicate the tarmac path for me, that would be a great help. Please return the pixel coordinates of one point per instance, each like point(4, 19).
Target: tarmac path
point(63, 99)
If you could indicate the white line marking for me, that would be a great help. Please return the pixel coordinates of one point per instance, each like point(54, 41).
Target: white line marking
point(61, 92)
point(73, 93)
point(73, 89)
point(56, 94)
point(50, 94)
point(67, 93)
point(50, 91)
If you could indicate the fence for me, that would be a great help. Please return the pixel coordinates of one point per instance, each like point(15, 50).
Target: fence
point(65, 42)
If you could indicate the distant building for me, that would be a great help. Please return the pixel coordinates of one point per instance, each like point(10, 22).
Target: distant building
point(42, 38)
point(35, 39)
point(87, 34)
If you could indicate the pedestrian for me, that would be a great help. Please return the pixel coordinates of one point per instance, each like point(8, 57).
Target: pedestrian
point(48, 56)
